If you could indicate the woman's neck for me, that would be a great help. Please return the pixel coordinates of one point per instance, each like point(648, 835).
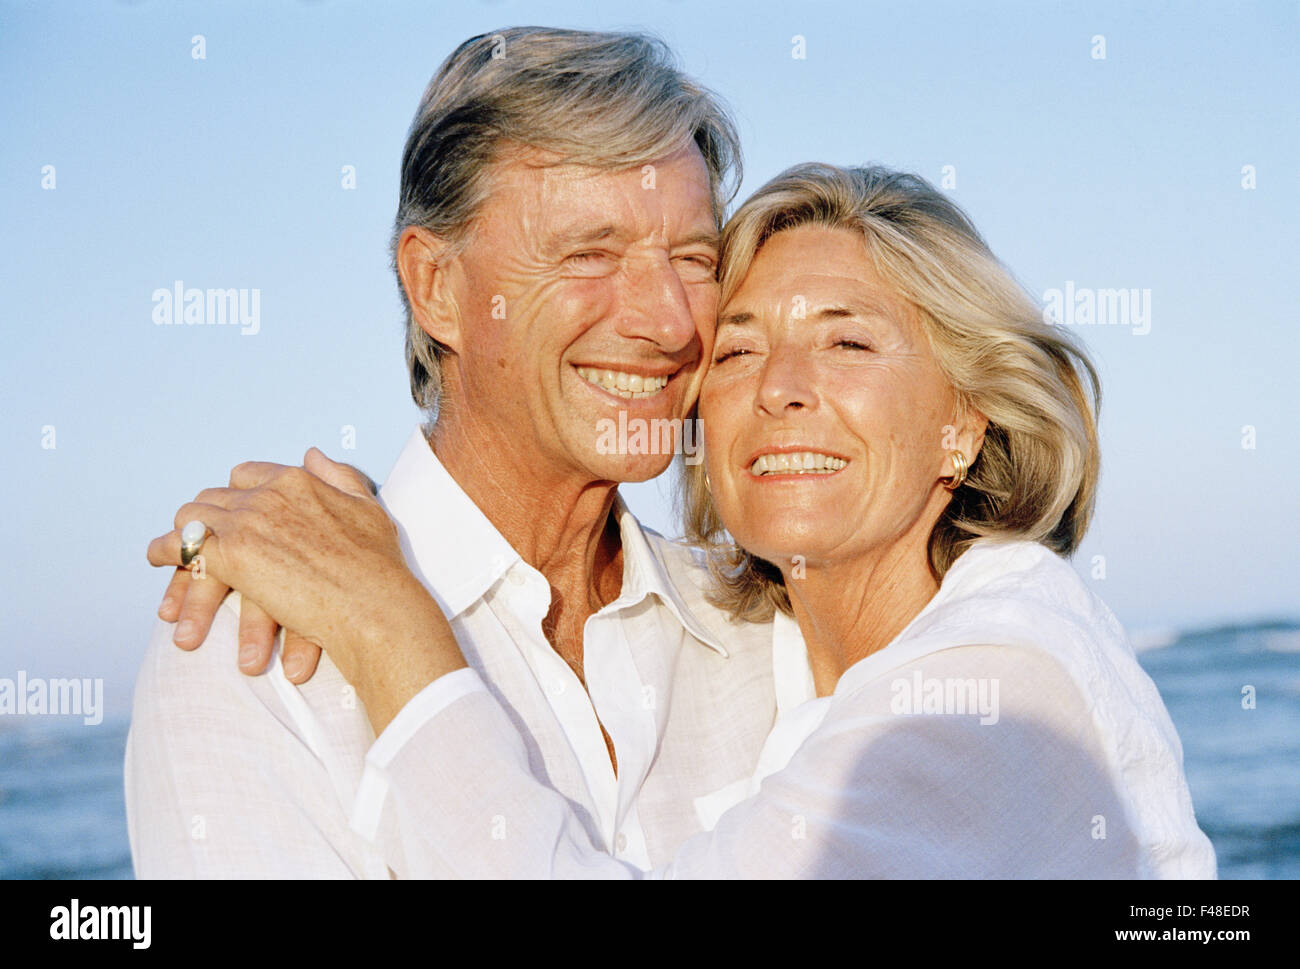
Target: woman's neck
point(848, 610)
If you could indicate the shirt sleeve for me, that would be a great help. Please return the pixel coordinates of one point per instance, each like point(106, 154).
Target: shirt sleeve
point(872, 792)
point(218, 784)
point(368, 807)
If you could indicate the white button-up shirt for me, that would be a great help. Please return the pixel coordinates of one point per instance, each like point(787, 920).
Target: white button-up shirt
point(1008, 731)
point(236, 776)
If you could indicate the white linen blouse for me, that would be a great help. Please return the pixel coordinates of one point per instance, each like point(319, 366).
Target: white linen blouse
point(1007, 732)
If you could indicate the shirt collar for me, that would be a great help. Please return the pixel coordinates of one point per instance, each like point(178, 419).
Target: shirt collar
point(792, 673)
point(449, 543)
point(439, 524)
point(646, 572)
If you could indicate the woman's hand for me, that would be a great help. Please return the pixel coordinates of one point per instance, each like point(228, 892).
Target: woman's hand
point(327, 563)
point(192, 599)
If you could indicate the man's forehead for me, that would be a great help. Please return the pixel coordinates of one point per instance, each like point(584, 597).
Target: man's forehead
point(566, 199)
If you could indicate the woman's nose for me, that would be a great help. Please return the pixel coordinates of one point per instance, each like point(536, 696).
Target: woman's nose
point(787, 383)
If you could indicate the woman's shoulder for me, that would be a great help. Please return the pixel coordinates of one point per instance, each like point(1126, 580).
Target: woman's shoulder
point(1024, 599)
point(1014, 594)
point(1019, 570)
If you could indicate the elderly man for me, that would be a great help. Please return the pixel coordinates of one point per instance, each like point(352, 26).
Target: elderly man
point(556, 246)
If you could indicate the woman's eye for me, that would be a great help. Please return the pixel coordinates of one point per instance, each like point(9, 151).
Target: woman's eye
point(852, 344)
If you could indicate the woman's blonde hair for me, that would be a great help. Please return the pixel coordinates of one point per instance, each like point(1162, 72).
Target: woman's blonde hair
point(1036, 476)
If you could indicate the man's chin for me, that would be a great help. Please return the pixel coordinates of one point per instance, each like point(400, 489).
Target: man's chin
point(628, 468)
point(633, 444)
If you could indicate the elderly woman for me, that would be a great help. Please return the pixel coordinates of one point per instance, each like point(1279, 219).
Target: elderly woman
point(899, 453)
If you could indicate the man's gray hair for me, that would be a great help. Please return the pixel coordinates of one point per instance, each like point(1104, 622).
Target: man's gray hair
point(607, 100)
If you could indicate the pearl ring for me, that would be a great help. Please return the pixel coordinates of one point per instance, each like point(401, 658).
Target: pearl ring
point(192, 536)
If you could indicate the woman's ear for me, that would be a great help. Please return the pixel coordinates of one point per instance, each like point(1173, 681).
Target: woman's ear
point(971, 437)
point(964, 434)
point(425, 266)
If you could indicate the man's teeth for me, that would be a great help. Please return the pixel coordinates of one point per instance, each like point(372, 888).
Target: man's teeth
point(630, 385)
point(796, 462)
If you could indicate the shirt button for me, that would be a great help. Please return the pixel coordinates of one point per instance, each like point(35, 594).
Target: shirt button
point(620, 843)
point(517, 577)
point(558, 688)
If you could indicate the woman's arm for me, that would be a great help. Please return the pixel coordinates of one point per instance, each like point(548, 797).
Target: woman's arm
point(326, 562)
point(870, 793)
point(192, 604)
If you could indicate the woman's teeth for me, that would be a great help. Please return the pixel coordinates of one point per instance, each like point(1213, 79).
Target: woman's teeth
point(629, 385)
point(796, 462)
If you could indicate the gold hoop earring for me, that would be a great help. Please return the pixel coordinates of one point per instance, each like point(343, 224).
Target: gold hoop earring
point(958, 478)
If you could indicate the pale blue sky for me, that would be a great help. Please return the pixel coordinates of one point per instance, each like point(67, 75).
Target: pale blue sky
point(225, 172)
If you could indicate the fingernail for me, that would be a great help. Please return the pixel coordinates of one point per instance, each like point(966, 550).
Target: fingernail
point(166, 608)
point(293, 667)
point(247, 654)
point(185, 631)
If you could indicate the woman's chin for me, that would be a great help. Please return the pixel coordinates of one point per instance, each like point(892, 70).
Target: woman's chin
point(787, 548)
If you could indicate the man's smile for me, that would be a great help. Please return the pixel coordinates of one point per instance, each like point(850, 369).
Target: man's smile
point(625, 383)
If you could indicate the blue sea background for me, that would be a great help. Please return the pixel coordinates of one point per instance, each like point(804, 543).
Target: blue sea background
point(62, 813)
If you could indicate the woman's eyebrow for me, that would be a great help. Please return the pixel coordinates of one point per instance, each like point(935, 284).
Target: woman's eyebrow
point(735, 319)
point(854, 307)
point(862, 308)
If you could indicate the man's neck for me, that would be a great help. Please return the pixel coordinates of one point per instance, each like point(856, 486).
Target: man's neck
point(559, 524)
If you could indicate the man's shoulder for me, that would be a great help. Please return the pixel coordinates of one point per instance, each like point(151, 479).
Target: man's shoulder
point(173, 680)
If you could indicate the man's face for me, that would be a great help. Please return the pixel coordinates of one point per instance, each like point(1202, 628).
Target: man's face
point(583, 293)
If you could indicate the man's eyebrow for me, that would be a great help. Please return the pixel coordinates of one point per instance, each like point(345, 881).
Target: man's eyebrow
point(581, 235)
point(708, 237)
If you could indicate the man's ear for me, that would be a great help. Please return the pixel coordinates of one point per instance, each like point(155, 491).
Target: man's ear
point(426, 266)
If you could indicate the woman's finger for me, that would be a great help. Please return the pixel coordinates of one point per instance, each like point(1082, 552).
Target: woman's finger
point(202, 600)
point(344, 477)
point(256, 637)
point(166, 549)
point(254, 474)
point(208, 512)
point(170, 608)
point(300, 658)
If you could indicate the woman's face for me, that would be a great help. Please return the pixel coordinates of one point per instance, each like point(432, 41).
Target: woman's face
point(816, 355)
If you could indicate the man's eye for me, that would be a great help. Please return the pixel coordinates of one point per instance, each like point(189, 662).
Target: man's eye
point(587, 256)
point(729, 354)
point(852, 344)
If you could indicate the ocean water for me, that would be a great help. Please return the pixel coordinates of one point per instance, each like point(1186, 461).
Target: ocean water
point(1233, 694)
point(62, 812)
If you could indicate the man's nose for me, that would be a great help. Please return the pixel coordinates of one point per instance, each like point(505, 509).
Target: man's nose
point(656, 307)
point(786, 383)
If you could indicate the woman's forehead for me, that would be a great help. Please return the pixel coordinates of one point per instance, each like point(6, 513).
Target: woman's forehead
point(813, 269)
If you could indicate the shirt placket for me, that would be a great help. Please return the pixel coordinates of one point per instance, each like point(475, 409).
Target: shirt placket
point(625, 705)
point(528, 601)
